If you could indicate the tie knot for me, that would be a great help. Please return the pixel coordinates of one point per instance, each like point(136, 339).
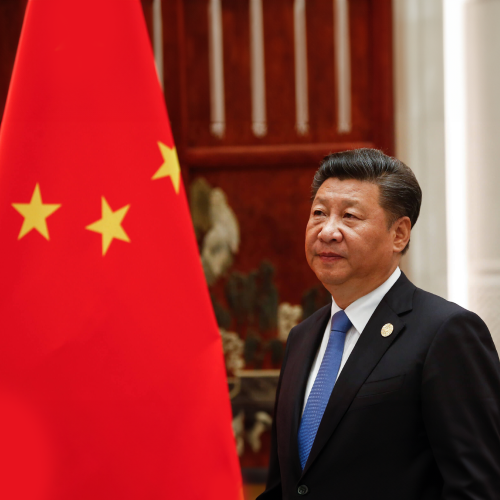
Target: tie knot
point(340, 322)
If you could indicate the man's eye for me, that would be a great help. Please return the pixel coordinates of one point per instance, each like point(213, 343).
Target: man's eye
point(349, 216)
point(317, 213)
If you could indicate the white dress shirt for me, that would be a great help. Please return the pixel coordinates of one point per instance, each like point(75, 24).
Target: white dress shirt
point(359, 312)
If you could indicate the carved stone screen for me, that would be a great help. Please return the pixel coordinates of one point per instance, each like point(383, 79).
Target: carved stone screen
point(258, 92)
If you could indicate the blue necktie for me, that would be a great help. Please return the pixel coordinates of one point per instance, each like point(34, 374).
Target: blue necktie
point(323, 385)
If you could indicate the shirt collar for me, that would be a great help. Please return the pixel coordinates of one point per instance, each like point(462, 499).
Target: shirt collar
point(361, 310)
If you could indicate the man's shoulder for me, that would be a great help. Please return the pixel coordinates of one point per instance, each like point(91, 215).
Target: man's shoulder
point(433, 309)
point(436, 305)
point(431, 320)
point(425, 299)
point(404, 297)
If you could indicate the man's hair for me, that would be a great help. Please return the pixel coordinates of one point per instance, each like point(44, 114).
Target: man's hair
point(400, 193)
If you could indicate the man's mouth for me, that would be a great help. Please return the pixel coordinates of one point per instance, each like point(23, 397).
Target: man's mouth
point(329, 256)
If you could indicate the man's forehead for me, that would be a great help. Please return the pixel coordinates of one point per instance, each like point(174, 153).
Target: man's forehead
point(344, 198)
point(347, 191)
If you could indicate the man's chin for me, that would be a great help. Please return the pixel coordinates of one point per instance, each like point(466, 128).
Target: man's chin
point(331, 278)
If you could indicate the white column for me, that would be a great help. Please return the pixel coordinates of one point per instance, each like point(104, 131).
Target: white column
point(257, 68)
point(216, 68)
point(482, 64)
point(343, 66)
point(301, 89)
point(420, 143)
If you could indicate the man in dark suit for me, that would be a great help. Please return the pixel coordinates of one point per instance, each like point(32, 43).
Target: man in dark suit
point(390, 393)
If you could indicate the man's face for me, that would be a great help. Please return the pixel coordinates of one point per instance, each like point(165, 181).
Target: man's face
point(347, 238)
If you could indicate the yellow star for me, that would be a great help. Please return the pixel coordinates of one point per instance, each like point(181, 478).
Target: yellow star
point(170, 167)
point(110, 225)
point(35, 212)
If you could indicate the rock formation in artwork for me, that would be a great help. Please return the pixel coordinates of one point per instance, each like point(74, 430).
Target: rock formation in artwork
point(232, 346)
point(263, 422)
point(216, 228)
point(288, 317)
point(239, 432)
point(222, 240)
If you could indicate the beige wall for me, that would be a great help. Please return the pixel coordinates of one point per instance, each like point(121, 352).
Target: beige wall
point(420, 142)
point(482, 63)
point(419, 104)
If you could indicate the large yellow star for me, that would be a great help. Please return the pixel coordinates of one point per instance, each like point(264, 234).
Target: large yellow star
point(170, 167)
point(109, 225)
point(35, 212)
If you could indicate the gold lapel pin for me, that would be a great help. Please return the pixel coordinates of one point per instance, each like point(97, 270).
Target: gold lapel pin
point(387, 329)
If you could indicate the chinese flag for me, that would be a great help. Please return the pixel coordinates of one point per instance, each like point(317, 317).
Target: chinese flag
point(112, 383)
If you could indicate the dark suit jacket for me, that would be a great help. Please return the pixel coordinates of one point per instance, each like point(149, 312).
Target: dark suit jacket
point(414, 415)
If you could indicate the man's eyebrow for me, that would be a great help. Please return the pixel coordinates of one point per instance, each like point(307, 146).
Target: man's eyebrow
point(351, 202)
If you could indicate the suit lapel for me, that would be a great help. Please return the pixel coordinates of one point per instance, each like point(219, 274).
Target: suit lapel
point(368, 351)
point(295, 382)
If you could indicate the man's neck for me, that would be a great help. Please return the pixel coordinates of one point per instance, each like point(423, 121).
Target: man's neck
point(347, 293)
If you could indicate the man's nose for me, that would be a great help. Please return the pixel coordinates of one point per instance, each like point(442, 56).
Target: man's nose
point(330, 231)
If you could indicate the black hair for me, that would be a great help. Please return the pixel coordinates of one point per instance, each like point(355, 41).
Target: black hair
point(400, 193)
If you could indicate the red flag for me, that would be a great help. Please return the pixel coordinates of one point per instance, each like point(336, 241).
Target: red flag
point(112, 384)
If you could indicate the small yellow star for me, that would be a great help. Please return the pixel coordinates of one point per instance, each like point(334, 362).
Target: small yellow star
point(170, 167)
point(110, 225)
point(35, 212)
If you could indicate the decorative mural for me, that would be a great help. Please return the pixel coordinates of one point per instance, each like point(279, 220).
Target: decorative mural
point(257, 93)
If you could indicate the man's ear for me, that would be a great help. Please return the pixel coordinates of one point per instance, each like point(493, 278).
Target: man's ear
point(401, 230)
